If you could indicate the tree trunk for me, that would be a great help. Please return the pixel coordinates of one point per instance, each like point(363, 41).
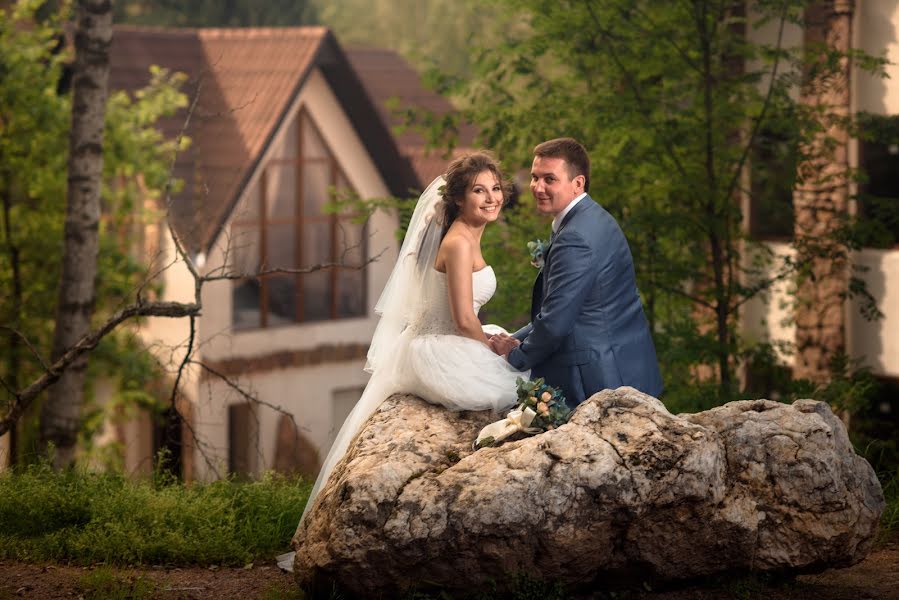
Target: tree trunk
point(721, 241)
point(14, 356)
point(821, 200)
point(60, 416)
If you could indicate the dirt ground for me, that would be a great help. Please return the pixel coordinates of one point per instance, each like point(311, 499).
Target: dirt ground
point(875, 578)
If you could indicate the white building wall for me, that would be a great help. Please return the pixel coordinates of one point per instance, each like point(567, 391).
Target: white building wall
point(306, 392)
point(876, 31)
point(769, 317)
point(878, 341)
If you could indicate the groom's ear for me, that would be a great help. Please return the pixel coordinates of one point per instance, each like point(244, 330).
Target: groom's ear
point(580, 181)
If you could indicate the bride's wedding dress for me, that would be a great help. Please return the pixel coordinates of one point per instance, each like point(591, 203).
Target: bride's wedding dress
point(437, 364)
point(432, 361)
point(417, 349)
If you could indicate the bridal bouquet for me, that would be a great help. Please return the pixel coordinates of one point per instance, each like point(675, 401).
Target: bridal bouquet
point(546, 401)
point(541, 408)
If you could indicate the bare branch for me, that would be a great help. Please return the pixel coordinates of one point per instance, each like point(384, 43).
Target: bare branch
point(22, 399)
point(787, 270)
point(246, 395)
point(289, 271)
point(200, 445)
point(28, 343)
point(185, 360)
point(679, 292)
point(7, 387)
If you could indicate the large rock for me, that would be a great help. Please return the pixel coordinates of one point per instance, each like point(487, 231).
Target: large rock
point(625, 492)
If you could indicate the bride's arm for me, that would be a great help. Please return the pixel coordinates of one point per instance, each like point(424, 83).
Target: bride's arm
point(459, 261)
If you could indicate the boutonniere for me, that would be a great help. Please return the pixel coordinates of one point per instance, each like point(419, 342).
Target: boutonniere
point(537, 249)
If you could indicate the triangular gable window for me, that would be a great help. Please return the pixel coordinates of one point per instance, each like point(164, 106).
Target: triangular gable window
point(283, 225)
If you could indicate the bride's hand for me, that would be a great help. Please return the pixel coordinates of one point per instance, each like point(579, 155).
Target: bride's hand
point(502, 344)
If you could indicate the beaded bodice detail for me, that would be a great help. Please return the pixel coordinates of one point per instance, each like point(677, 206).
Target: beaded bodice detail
point(436, 316)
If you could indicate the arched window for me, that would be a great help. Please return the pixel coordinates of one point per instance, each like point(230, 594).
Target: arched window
point(283, 224)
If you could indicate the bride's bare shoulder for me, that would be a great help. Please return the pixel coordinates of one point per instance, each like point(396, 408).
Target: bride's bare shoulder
point(454, 248)
point(455, 242)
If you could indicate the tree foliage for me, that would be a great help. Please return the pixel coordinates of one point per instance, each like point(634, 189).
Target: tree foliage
point(215, 13)
point(673, 100)
point(426, 32)
point(34, 123)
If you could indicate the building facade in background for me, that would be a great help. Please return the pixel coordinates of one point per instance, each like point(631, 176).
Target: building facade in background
point(283, 121)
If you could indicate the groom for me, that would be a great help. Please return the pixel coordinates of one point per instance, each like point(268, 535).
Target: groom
point(588, 331)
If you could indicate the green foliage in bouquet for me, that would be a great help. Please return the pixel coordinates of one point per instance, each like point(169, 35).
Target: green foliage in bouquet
point(548, 402)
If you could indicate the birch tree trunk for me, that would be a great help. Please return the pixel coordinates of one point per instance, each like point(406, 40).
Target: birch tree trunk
point(61, 413)
point(822, 198)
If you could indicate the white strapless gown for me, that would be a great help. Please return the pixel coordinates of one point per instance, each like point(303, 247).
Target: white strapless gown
point(432, 361)
point(437, 364)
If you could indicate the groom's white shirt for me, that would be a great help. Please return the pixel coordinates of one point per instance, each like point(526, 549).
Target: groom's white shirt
point(557, 220)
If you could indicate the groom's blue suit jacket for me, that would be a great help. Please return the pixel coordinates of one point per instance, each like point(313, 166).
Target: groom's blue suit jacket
point(588, 331)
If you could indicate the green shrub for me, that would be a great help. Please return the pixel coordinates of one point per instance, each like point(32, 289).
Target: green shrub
point(84, 518)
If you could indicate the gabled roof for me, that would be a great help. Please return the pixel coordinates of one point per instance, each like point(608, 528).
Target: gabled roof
point(389, 80)
point(247, 80)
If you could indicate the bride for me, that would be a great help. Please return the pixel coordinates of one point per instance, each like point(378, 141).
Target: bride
point(429, 341)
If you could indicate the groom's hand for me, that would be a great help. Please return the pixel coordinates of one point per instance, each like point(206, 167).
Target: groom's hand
point(502, 344)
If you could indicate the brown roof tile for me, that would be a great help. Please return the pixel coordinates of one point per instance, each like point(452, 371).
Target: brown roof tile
point(247, 77)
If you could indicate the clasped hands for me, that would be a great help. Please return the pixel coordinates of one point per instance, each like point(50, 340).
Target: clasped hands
point(502, 343)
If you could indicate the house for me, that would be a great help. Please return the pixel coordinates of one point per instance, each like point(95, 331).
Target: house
point(872, 27)
point(283, 116)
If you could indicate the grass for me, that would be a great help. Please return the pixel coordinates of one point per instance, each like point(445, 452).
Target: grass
point(276, 593)
point(105, 584)
point(89, 518)
point(889, 520)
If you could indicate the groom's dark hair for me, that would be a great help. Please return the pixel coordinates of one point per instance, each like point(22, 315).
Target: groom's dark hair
point(572, 152)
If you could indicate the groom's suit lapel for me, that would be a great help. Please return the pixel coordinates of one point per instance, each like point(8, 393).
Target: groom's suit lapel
point(537, 292)
point(577, 208)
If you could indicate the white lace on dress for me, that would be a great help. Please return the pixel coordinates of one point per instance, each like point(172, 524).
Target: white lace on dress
point(436, 315)
point(437, 364)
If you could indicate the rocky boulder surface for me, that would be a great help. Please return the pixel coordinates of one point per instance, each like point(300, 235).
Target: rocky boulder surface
point(625, 492)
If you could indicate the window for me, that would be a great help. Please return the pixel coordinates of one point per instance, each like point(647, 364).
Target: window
point(773, 177)
point(283, 224)
point(168, 442)
point(878, 200)
point(243, 439)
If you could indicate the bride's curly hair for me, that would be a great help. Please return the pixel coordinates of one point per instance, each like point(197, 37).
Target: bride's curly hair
point(459, 175)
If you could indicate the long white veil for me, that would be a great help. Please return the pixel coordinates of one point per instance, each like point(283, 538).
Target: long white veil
point(406, 290)
point(404, 296)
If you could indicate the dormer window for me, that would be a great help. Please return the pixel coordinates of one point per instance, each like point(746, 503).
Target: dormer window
point(282, 224)
point(878, 199)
